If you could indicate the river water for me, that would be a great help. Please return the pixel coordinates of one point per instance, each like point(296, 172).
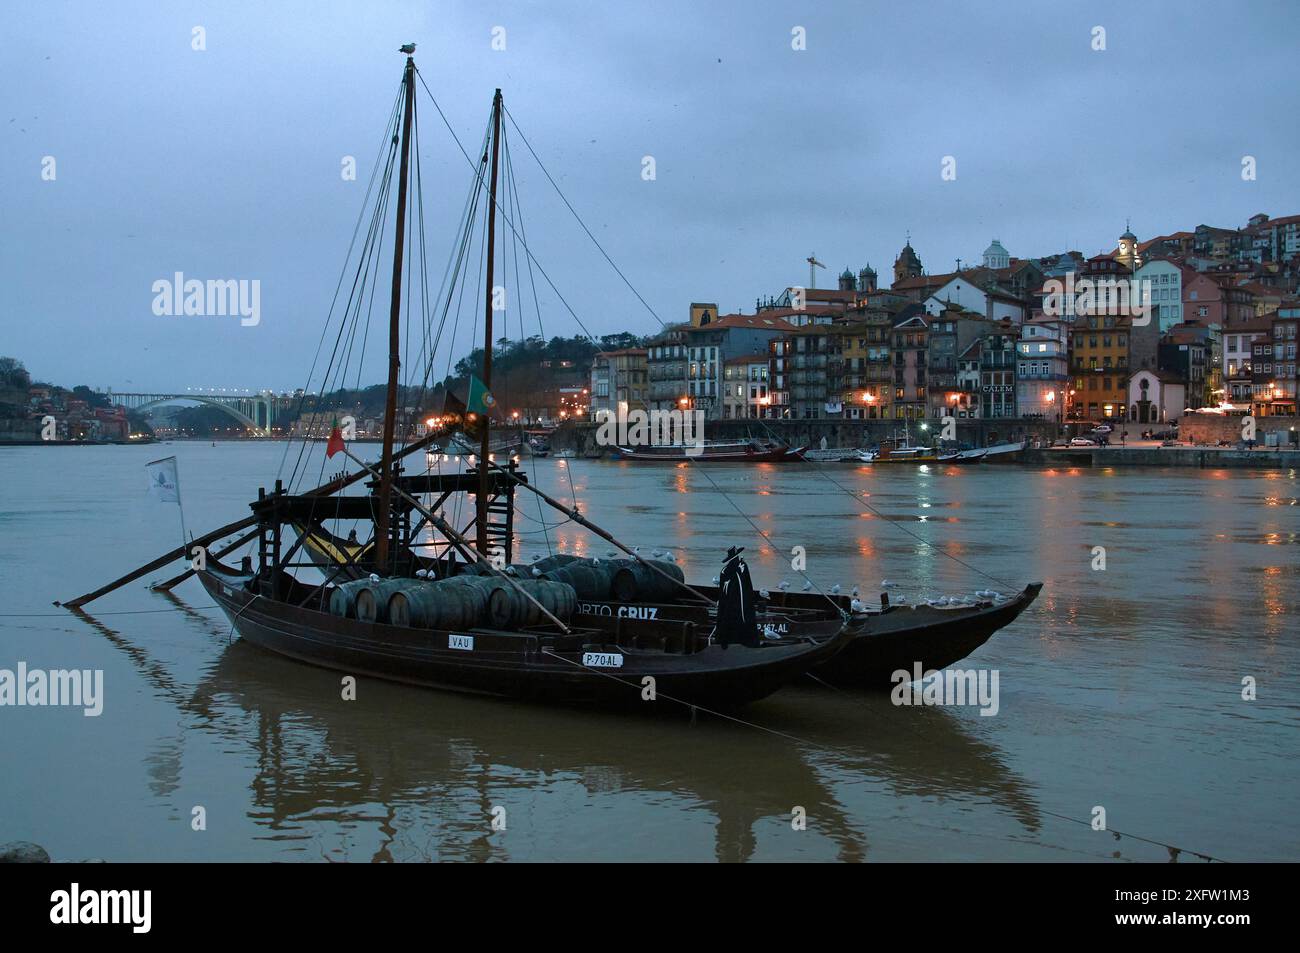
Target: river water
point(1120, 688)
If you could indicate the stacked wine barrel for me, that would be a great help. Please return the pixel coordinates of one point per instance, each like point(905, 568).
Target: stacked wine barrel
point(634, 581)
point(456, 603)
point(622, 580)
point(479, 597)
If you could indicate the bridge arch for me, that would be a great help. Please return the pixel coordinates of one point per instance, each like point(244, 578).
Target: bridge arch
point(243, 418)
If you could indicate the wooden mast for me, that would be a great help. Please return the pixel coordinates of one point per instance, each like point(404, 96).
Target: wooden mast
point(484, 481)
point(394, 337)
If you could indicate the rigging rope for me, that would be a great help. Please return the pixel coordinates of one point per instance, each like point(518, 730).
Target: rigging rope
point(916, 536)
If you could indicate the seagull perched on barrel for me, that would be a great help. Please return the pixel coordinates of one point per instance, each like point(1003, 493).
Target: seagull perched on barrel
point(407, 48)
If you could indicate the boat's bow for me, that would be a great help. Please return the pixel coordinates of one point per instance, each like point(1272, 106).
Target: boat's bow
point(933, 637)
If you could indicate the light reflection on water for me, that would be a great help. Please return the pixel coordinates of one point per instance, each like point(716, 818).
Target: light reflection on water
point(1119, 688)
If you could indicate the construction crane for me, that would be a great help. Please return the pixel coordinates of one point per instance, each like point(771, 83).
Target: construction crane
point(813, 265)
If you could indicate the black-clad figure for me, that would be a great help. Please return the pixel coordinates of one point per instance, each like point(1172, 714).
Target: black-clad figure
point(737, 617)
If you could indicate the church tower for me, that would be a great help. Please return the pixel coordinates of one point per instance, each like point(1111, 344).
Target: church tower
point(1128, 251)
point(907, 265)
point(867, 279)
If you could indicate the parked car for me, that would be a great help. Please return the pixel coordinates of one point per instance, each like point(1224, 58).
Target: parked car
point(1102, 428)
point(1083, 442)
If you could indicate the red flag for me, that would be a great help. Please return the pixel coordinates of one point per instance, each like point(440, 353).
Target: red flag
point(336, 441)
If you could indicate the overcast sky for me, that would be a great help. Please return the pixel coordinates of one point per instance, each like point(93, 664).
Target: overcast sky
point(225, 163)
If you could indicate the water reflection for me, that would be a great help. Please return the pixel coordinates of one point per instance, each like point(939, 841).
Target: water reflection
point(409, 774)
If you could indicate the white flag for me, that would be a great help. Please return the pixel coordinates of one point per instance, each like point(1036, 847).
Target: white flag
point(164, 482)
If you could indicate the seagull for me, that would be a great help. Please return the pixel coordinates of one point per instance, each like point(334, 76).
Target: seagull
point(855, 592)
point(835, 589)
point(636, 549)
point(807, 584)
point(715, 580)
point(886, 584)
point(407, 48)
point(421, 573)
point(536, 572)
point(856, 606)
point(511, 571)
point(764, 593)
point(783, 586)
point(671, 557)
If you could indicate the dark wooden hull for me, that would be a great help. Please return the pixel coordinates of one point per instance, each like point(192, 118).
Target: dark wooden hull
point(882, 643)
point(770, 455)
point(898, 639)
point(533, 665)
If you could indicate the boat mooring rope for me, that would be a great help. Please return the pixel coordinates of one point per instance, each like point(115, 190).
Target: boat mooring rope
point(887, 520)
point(1063, 817)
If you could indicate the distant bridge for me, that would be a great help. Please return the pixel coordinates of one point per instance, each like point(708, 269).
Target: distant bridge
point(257, 412)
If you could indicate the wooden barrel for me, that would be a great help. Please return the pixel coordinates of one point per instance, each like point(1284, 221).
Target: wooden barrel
point(508, 608)
point(635, 582)
point(438, 605)
point(343, 598)
point(372, 598)
point(588, 581)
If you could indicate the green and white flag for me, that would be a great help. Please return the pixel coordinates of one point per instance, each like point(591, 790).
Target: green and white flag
point(480, 400)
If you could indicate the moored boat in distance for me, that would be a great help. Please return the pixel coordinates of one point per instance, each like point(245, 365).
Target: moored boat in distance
point(839, 455)
point(1005, 452)
point(712, 452)
point(962, 457)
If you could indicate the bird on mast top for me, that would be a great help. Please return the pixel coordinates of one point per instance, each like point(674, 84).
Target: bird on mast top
point(407, 48)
